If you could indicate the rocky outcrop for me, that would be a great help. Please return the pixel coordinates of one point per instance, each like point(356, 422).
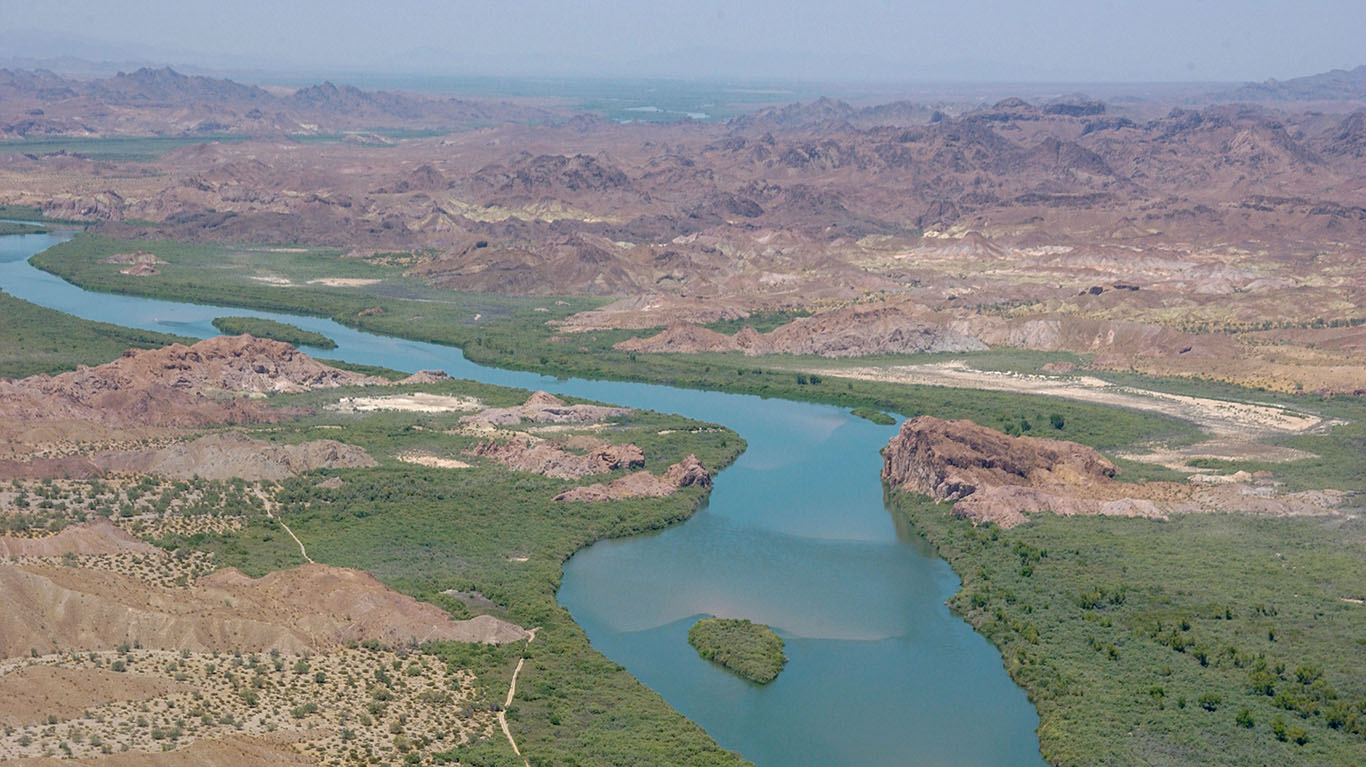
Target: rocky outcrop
point(855, 331)
point(135, 258)
point(683, 338)
point(541, 407)
point(642, 484)
point(232, 455)
point(688, 472)
point(951, 460)
point(997, 478)
point(176, 385)
point(992, 477)
point(1109, 339)
point(425, 377)
point(139, 263)
point(549, 460)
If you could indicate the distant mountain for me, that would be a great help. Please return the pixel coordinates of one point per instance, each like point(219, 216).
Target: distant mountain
point(167, 102)
point(1336, 85)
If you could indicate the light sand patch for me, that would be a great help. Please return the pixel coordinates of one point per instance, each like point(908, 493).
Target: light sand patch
point(436, 462)
point(1234, 427)
point(271, 279)
point(417, 402)
point(1223, 450)
point(560, 428)
point(698, 430)
point(344, 282)
point(1221, 479)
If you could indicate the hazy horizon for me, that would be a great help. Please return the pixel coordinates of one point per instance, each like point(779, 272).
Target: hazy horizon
point(983, 41)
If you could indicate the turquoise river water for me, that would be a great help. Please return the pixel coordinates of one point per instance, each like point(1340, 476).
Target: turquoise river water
point(796, 535)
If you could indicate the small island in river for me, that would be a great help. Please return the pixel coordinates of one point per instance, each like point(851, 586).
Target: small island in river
point(273, 329)
point(751, 650)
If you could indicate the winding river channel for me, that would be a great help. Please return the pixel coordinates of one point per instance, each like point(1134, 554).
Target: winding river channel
point(796, 535)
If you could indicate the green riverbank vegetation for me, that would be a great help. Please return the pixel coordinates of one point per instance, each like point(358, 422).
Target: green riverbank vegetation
point(1212, 639)
point(36, 339)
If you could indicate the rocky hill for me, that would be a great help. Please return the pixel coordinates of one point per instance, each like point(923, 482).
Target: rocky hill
point(688, 472)
point(175, 386)
point(995, 478)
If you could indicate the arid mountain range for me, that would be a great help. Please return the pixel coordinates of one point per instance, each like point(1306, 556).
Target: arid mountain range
point(1338, 84)
point(1091, 221)
point(36, 103)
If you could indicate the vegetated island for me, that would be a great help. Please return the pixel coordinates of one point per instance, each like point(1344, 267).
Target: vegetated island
point(278, 331)
point(749, 649)
point(876, 416)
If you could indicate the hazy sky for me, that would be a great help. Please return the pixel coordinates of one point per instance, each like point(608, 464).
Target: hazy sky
point(974, 40)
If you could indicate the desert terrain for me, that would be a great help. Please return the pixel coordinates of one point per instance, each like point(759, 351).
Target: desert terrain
point(1127, 338)
point(130, 639)
point(1213, 241)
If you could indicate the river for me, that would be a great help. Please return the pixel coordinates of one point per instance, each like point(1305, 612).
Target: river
point(796, 535)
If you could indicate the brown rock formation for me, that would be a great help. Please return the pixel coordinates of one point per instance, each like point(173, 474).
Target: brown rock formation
point(996, 478)
point(133, 259)
point(950, 460)
point(682, 338)
point(541, 407)
point(425, 377)
point(551, 461)
point(173, 386)
point(643, 484)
